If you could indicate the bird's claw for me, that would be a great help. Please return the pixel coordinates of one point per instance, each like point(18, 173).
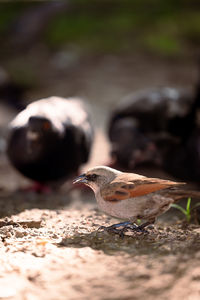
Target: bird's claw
point(113, 229)
point(101, 228)
point(137, 228)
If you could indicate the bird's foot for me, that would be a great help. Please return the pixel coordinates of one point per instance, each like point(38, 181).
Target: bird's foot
point(142, 226)
point(115, 228)
point(134, 227)
point(111, 229)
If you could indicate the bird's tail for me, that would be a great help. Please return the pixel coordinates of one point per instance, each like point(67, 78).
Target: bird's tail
point(178, 194)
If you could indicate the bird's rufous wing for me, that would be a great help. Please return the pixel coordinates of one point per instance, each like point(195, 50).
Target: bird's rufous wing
point(129, 185)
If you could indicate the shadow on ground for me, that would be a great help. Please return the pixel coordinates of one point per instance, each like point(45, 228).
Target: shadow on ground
point(159, 241)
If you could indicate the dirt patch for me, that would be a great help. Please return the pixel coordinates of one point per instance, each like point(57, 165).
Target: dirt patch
point(58, 253)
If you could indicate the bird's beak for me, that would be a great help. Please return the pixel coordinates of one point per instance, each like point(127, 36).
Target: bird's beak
point(80, 179)
point(32, 135)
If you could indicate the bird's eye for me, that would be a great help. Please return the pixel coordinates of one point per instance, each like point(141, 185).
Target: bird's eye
point(92, 177)
point(46, 125)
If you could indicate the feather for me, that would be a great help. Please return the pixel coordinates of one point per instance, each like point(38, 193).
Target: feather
point(130, 185)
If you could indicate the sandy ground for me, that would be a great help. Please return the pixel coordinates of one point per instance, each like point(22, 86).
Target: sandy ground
point(50, 244)
point(55, 251)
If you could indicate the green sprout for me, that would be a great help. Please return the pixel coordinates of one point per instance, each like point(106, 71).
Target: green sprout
point(187, 211)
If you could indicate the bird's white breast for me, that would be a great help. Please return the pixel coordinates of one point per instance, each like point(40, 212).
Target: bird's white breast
point(144, 207)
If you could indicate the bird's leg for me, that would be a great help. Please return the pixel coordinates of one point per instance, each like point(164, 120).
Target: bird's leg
point(142, 226)
point(139, 228)
point(120, 224)
point(126, 226)
point(114, 228)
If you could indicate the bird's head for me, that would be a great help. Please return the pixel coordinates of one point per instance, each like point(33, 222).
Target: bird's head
point(97, 177)
point(37, 126)
point(131, 146)
point(38, 131)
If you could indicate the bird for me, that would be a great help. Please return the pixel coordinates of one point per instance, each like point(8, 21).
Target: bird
point(131, 196)
point(183, 160)
point(130, 146)
point(146, 126)
point(50, 139)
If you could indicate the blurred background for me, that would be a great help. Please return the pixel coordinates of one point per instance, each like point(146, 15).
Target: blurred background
point(99, 50)
point(104, 51)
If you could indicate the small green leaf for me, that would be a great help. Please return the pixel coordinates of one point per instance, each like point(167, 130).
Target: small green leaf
point(187, 211)
point(179, 208)
point(188, 205)
point(188, 216)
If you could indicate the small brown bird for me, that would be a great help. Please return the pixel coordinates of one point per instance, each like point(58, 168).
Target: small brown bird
point(131, 196)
